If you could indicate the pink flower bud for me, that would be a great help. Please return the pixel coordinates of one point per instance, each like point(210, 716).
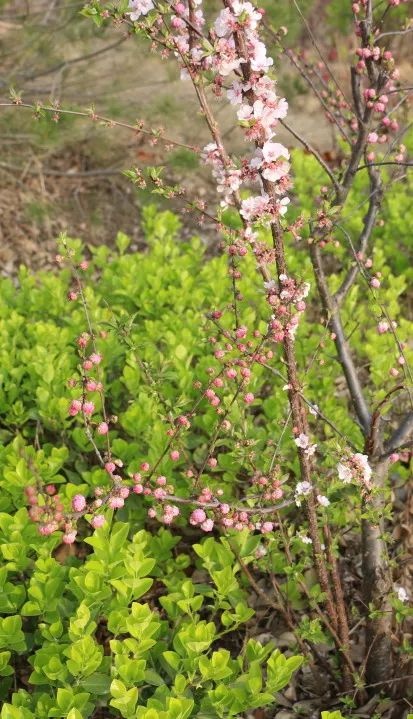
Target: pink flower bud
point(249, 398)
point(383, 327)
point(116, 502)
point(75, 407)
point(95, 358)
point(69, 537)
point(103, 428)
point(83, 340)
point(207, 525)
point(197, 517)
point(174, 455)
point(267, 527)
point(88, 408)
point(375, 283)
point(78, 503)
point(98, 521)
point(159, 493)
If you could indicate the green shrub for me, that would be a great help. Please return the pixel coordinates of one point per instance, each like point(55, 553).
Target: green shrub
point(148, 622)
point(141, 623)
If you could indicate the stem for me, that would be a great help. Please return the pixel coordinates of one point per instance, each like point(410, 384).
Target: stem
point(377, 586)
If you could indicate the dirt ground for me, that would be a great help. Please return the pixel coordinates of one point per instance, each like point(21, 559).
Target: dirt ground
point(68, 176)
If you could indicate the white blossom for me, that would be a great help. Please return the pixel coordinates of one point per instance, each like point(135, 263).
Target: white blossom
point(302, 441)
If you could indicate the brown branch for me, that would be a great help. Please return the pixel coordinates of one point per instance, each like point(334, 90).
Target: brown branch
point(332, 313)
point(368, 226)
point(313, 152)
point(400, 436)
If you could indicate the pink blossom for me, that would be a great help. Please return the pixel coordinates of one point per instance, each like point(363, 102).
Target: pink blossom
point(159, 493)
point(78, 503)
point(302, 441)
point(103, 428)
point(249, 398)
point(138, 8)
point(88, 408)
point(254, 207)
point(267, 527)
point(69, 537)
point(116, 502)
point(197, 517)
point(95, 358)
point(272, 151)
point(234, 93)
point(383, 327)
point(174, 455)
point(207, 525)
point(75, 407)
point(241, 332)
point(98, 521)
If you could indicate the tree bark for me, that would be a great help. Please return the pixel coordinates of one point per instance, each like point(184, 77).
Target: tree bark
point(377, 585)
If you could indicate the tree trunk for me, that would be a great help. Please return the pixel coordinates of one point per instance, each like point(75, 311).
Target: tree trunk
point(377, 584)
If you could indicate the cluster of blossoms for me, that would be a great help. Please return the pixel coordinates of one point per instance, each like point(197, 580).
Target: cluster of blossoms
point(233, 46)
point(89, 385)
point(287, 302)
point(48, 511)
point(355, 468)
point(303, 443)
point(377, 99)
point(268, 488)
point(216, 512)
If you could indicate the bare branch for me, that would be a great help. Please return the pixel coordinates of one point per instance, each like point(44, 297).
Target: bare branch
point(368, 226)
point(332, 313)
point(314, 152)
point(401, 435)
